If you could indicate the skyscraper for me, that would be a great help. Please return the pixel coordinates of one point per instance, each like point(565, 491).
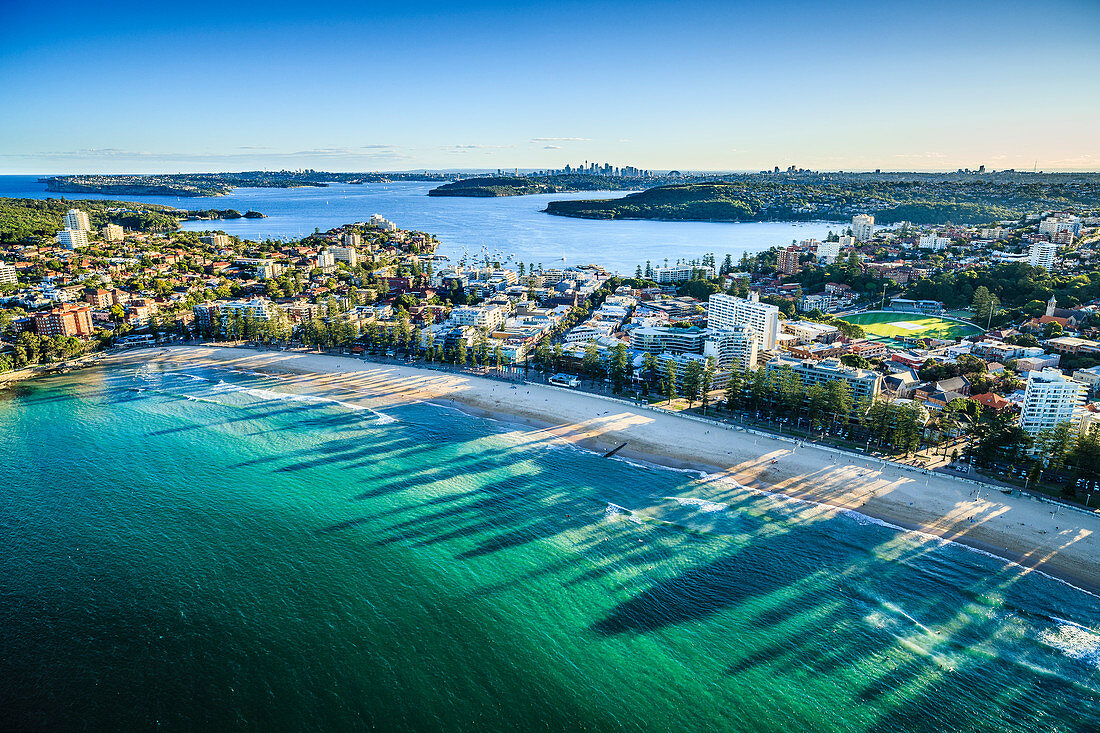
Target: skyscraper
point(1049, 400)
point(78, 220)
point(863, 227)
point(1041, 254)
point(725, 312)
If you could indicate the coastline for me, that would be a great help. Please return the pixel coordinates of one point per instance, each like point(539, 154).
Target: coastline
point(1031, 535)
point(14, 377)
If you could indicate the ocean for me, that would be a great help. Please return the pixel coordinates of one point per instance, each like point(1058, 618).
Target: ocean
point(513, 225)
point(205, 548)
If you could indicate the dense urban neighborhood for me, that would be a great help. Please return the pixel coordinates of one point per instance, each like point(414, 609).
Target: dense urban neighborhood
point(966, 347)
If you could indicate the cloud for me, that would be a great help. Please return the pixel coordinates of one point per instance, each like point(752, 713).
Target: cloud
point(551, 147)
point(467, 147)
point(241, 153)
point(921, 156)
point(560, 139)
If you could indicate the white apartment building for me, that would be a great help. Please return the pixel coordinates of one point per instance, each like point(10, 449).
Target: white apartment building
point(325, 259)
point(863, 227)
point(661, 339)
point(679, 273)
point(863, 383)
point(259, 308)
point(112, 233)
point(1054, 224)
point(345, 254)
point(847, 241)
point(725, 312)
point(1050, 400)
point(218, 241)
point(7, 274)
point(72, 238)
point(490, 317)
point(824, 302)
point(1041, 254)
point(379, 222)
point(734, 348)
point(934, 242)
point(828, 252)
point(77, 219)
point(351, 239)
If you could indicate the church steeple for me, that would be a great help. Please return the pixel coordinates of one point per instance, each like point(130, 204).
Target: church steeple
point(1051, 305)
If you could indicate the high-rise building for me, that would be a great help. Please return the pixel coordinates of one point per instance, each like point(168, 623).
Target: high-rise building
point(863, 227)
point(787, 261)
point(1050, 399)
point(72, 238)
point(351, 239)
point(828, 252)
point(112, 233)
point(325, 259)
point(77, 219)
point(734, 348)
point(7, 274)
point(725, 312)
point(1041, 254)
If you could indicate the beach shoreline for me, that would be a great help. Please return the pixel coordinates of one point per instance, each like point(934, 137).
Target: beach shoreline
point(1059, 542)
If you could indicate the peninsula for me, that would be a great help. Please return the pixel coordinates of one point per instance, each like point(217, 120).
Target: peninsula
point(916, 198)
point(23, 219)
point(217, 184)
point(490, 186)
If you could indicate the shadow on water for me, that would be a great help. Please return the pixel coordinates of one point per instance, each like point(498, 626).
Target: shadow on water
point(802, 580)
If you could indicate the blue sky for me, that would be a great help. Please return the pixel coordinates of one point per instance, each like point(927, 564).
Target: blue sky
point(125, 87)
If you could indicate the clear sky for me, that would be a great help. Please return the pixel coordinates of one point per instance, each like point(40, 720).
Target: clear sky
point(198, 86)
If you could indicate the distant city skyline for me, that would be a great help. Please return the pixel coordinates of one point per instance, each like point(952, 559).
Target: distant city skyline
point(701, 86)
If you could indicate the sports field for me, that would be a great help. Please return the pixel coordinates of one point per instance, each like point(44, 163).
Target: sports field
point(882, 325)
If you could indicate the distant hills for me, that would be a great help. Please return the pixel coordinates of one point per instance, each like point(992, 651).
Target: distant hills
point(217, 184)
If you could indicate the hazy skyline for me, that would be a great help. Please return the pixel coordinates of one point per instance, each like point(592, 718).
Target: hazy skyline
point(121, 87)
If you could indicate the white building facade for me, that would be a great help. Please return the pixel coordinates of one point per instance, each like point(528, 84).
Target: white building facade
point(1050, 400)
point(725, 312)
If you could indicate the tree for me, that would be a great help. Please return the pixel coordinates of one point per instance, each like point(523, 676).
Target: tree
point(693, 381)
point(708, 378)
point(982, 303)
point(591, 361)
point(668, 380)
point(855, 360)
point(460, 352)
point(619, 368)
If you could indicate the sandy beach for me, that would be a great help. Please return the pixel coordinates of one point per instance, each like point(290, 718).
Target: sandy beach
point(1034, 534)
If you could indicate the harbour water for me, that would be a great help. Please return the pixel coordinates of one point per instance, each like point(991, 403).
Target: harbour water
point(205, 549)
point(510, 225)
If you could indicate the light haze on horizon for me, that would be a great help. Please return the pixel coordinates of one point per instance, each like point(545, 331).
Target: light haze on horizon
point(121, 87)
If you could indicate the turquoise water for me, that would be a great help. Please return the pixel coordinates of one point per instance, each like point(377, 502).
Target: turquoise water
point(510, 225)
point(204, 549)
